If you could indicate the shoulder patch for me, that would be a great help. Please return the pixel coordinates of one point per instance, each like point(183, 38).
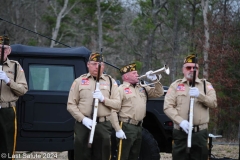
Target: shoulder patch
point(209, 86)
point(115, 83)
point(20, 68)
point(73, 85)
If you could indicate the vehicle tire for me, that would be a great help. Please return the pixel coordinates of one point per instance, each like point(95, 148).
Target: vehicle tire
point(71, 155)
point(149, 147)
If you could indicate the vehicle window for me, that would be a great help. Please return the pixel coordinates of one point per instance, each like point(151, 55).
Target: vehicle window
point(50, 77)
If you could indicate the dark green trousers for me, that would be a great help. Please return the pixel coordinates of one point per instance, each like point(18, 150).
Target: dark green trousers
point(129, 149)
point(8, 132)
point(101, 146)
point(199, 148)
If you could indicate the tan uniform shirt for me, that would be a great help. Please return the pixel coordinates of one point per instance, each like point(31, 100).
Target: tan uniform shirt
point(177, 101)
point(11, 93)
point(80, 99)
point(134, 101)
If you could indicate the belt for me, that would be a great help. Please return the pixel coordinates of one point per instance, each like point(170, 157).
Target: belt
point(103, 119)
point(131, 121)
point(5, 104)
point(196, 128)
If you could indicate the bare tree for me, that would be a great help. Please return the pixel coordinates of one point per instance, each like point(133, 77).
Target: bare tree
point(100, 32)
point(100, 17)
point(204, 4)
point(175, 50)
point(60, 15)
point(157, 6)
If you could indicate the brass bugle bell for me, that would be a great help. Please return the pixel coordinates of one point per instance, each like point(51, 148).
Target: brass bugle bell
point(157, 72)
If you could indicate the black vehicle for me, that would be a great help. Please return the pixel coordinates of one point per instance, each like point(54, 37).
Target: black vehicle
point(44, 124)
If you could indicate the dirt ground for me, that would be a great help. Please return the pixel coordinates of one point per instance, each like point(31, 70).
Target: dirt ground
point(219, 151)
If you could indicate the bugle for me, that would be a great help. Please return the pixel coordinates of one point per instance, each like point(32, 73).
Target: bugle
point(157, 72)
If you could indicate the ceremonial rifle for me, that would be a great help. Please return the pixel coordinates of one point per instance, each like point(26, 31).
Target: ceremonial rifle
point(95, 103)
point(189, 139)
point(2, 60)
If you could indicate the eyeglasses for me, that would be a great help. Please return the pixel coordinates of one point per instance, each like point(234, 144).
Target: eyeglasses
point(95, 63)
point(191, 67)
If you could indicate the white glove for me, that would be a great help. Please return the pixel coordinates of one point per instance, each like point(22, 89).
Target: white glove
point(120, 134)
point(98, 94)
point(184, 125)
point(4, 77)
point(87, 122)
point(151, 76)
point(194, 92)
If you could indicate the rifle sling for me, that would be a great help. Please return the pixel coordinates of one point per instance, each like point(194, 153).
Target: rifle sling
point(15, 72)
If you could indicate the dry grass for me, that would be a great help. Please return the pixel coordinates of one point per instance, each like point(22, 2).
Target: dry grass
point(219, 151)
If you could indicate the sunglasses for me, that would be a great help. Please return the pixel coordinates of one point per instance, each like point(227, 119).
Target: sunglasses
point(190, 67)
point(4, 47)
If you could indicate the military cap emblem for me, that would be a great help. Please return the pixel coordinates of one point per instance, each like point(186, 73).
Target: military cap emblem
point(5, 39)
point(95, 57)
point(190, 59)
point(128, 68)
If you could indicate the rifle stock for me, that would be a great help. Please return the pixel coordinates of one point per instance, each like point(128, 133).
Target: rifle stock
point(95, 110)
point(95, 105)
point(189, 139)
point(191, 107)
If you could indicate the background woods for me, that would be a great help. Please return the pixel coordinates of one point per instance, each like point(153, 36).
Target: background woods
point(150, 32)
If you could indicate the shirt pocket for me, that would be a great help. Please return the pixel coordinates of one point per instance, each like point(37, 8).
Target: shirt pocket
point(130, 98)
point(10, 74)
point(105, 89)
point(181, 100)
point(143, 96)
point(85, 91)
point(129, 103)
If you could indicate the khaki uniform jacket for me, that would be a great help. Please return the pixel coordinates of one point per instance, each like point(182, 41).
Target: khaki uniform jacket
point(80, 99)
point(177, 101)
point(133, 102)
point(11, 93)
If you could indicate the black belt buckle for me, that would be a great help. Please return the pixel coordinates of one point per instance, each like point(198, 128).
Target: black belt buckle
point(195, 129)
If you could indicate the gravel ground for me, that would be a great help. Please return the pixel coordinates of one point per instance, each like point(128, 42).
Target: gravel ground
point(219, 151)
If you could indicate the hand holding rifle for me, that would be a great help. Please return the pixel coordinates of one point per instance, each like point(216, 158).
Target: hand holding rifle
point(98, 95)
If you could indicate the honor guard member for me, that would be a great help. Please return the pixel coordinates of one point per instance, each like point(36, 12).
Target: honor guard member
point(80, 106)
point(13, 84)
point(127, 121)
point(176, 107)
